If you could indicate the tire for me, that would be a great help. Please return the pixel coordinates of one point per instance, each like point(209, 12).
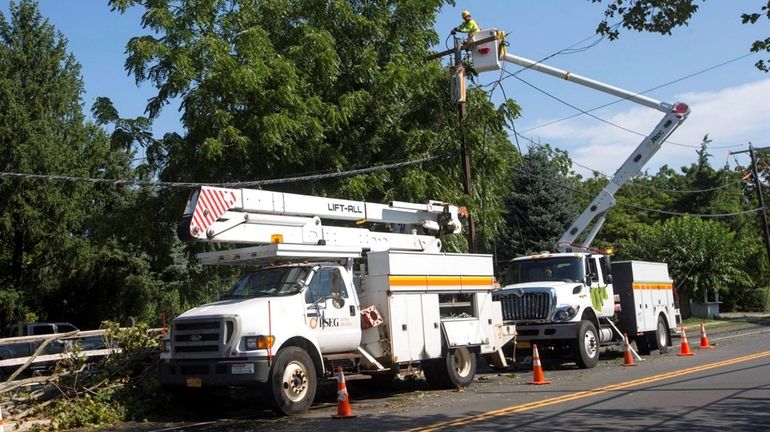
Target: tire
point(430, 371)
point(660, 339)
point(587, 346)
point(455, 370)
point(291, 382)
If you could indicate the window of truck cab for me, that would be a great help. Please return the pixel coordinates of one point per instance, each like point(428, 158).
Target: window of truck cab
point(270, 281)
point(562, 269)
point(327, 282)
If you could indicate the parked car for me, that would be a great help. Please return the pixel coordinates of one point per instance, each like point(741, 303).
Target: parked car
point(26, 349)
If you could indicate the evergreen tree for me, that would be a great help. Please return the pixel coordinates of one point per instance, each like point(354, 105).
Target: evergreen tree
point(540, 208)
point(48, 229)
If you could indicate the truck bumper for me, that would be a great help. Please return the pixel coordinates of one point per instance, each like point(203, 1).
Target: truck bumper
point(214, 373)
point(546, 331)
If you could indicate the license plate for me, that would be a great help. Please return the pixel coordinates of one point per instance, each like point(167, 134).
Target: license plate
point(194, 382)
point(523, 344)
point(242, 368)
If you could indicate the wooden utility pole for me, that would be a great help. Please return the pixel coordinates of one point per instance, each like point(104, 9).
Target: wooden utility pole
point(458, 96)
point(760, 197)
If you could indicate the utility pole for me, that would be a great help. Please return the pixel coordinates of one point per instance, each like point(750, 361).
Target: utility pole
point(458, 96)
point(760, 198)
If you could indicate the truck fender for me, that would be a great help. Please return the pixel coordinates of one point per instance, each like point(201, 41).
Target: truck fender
point(589, 315)
point(309, 347)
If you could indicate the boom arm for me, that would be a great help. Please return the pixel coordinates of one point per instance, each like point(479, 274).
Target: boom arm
point(487, 54)
point(263, 217)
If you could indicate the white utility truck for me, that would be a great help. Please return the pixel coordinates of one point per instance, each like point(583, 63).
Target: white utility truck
point(303, 308)
point(571, 302)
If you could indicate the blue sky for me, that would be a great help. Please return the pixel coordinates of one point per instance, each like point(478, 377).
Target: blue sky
point(729, 103)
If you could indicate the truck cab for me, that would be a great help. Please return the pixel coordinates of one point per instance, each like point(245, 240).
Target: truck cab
point(554, 297)
point(259, 314)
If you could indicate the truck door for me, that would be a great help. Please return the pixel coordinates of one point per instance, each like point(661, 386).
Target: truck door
point(332, 311)
point(602, 294)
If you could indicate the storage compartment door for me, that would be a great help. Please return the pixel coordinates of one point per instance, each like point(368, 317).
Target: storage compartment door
point(462, 332)
point(415, 331)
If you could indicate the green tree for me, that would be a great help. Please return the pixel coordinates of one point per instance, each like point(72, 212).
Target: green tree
point(662, 16)
point(51, 231)
point(703, 256)
point(274, 89)
point(540, 208)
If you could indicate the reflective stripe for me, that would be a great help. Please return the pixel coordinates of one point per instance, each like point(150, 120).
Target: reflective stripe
point(652, 286)
point(440, 280)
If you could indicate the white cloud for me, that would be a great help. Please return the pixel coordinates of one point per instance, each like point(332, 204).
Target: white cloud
point(731, 117)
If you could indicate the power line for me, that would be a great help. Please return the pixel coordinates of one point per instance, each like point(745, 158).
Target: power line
point(725, 186)
point(638, 207)
point(189, 185)
point(647, 91)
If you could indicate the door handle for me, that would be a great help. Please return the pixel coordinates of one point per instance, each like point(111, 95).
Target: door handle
point(352, 310)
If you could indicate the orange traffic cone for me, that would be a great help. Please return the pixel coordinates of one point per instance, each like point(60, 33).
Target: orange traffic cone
point(628, 358)
point(685, 349)
point(537, 368)
point(343, 399)
point(704, 342)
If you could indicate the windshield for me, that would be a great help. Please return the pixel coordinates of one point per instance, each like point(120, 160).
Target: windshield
point(564, 269)
point(274, 281)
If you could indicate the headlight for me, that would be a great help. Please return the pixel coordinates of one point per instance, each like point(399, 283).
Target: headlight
point(565, 313)
point(259, 342)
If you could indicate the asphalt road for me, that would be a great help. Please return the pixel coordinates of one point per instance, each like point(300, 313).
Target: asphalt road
point(725, 388)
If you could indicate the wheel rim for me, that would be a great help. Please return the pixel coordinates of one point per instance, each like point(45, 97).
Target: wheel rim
point(462, 361)
point(589, 342)
point(294, 382)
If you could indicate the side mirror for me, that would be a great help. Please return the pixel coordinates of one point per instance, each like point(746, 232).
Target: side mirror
point(609, 279)
point(587, 280)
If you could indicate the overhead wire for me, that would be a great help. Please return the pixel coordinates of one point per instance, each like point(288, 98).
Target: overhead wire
point(639, 185)
point(647, 91)
point(635, 206)
point(188, 185)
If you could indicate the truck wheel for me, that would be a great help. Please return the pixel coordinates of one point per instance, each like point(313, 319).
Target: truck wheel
point(430, 371)
point(587, 347)
point(461, 366)
point(455, 370)
point(292, 382)
point(661, 339)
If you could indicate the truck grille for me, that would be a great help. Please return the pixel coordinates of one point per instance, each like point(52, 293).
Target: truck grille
point(202, 337)
point(527, 306)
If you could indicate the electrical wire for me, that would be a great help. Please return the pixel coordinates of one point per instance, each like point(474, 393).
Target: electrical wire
point(725, 186)
point(638, 207)
point(189, 185)
point(647, 91)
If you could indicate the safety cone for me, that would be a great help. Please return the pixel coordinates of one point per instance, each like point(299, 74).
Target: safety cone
point(343, 399)
point(628, 358)
point(685, 349)
point(537, 368)
point(704, 342)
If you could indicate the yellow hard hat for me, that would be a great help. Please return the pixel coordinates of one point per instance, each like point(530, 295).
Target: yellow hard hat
point(465, 13)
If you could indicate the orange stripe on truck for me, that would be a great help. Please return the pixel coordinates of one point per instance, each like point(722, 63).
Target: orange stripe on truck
point(440, 280)
point(653, 286)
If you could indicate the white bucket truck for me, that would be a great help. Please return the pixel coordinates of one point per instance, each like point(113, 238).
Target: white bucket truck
point(567, 302)
point(301, 310)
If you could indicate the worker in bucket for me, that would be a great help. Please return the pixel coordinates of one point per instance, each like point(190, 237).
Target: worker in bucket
point(468, 26)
